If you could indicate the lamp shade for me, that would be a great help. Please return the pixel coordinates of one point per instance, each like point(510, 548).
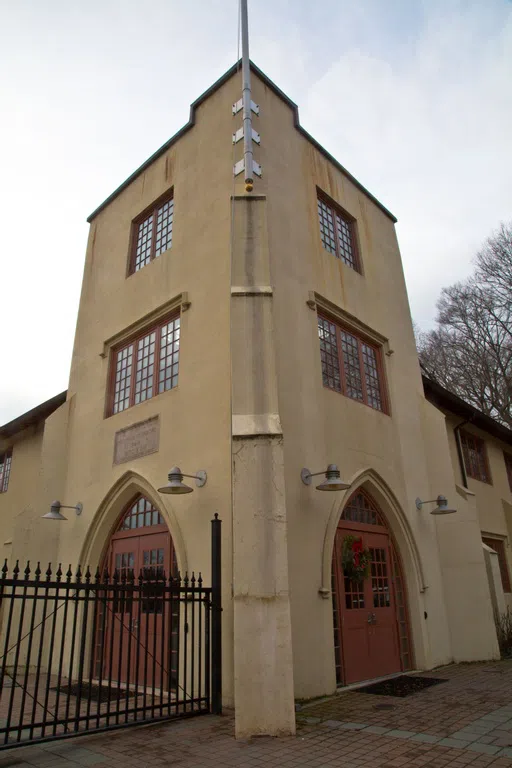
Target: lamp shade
point(442, 507)
point(332, 480)
point(175, 485)
point(54, 513)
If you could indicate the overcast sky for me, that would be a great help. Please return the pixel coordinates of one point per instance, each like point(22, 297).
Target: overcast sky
point(413, 98)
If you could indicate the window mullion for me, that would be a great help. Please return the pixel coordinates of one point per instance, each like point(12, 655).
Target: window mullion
point(135, 345)
point(341, 363)
point(362, 370)
point(156, 369)
point(153, 236)
point(336, 233)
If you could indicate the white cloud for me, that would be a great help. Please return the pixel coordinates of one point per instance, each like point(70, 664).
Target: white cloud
point(431, 139)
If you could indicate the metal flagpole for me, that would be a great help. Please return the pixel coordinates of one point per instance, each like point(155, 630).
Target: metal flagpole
point(246, 95)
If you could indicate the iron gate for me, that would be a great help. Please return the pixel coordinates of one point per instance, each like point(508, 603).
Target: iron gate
point(83, 653)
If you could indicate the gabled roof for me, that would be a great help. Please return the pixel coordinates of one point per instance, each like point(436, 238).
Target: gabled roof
point(34, 416)
point(444, 399)
point(192, 119)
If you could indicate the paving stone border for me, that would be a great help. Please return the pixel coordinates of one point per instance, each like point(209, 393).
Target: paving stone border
point(489, 735)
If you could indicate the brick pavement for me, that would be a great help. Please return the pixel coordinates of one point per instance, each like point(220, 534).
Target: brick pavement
point(465, 722)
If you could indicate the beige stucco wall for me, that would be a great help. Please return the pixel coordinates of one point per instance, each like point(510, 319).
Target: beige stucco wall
point(493, 500)
point(255, 356)
point(389, 454)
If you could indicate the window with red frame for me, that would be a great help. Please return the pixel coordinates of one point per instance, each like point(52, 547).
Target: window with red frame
point(351, 365)
point(475, 457)
point(145, 366)
point(508, 467)
point(5, 469)
point(499, 547)
point(152, 234)
point(337, 233)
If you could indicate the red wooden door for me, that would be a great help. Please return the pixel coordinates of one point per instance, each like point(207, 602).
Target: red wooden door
point(138, 629)
point(121, 612)
point(365, 610)
point(153, 630)
point(383, 644)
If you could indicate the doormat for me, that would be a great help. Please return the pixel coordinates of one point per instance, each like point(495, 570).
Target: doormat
point(401, 686)
point(95, 692)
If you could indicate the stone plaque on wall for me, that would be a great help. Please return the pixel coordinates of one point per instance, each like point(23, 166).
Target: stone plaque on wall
point(137, 440)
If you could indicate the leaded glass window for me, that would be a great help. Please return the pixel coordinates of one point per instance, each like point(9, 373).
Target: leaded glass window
point(153, 234)
point(146, 366)
point(475, 457)
point(337, 233)
point(361, 509)
point(350, 365)
point(141, 514)
point(5, 469)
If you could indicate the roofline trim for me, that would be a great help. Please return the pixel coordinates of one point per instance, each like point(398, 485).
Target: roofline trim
point(191, 122)
point(34, 416)
point(459, 407)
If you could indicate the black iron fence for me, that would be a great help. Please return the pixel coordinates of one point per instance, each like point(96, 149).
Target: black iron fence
point(84, 652)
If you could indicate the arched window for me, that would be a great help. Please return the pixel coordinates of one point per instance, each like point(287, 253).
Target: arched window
point(362, 509)
point(141, 514)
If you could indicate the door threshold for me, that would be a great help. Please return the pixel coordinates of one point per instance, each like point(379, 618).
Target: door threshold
point(364, 683)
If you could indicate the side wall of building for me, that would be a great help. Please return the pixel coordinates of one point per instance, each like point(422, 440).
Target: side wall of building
point(388, 454)
point(493, 500)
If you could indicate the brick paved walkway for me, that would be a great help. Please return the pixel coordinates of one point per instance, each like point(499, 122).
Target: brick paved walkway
point(464, 722)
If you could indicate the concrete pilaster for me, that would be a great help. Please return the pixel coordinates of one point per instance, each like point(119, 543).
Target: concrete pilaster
point(263, 663)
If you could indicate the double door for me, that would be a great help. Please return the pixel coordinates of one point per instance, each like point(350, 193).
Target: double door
point(366, 609)
point(142, 624)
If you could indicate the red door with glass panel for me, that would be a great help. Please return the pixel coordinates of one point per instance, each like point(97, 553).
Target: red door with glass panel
point(371, 633)
point(139, 629)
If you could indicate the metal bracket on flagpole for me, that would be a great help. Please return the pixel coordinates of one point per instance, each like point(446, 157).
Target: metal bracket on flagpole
point(239, 167)
point(238, 106)
point(238, 136)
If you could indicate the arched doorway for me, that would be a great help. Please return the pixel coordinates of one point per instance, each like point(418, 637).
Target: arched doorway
point(371, 629)
point(142, 640)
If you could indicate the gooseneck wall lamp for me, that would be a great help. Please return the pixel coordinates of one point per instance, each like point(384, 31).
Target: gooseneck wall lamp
point(55, 510)
point(176, 484)
point(442, 505)
point(332, 480)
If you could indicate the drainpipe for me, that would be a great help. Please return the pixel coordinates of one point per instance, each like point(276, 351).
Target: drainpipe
point(246, 95)
point(460, 452)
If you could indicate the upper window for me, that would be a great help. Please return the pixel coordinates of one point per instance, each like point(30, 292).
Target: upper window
point(140, 514)
point(475, 457)
point(351, 365)
point(337, 232)
point(508, 465)
point(145, 366)
point(499, 547)
point(5, 469)
point(152, 234)
point(361, 509)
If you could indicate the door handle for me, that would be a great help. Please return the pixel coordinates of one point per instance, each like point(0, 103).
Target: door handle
point(135, 625)
point(372, 619)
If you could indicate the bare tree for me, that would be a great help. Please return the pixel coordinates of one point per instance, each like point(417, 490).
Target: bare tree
point(470, 350)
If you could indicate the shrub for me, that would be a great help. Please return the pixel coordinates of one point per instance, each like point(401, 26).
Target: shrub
point(504, 631)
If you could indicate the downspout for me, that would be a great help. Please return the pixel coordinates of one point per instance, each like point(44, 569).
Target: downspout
point(246, 97)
